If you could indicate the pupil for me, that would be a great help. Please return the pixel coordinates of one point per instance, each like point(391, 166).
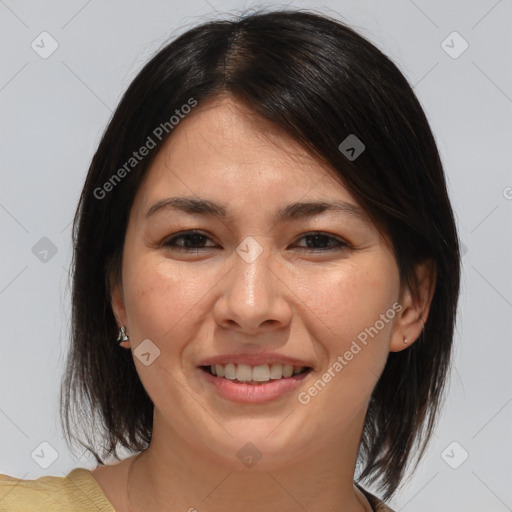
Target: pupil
point(317, 240)
point(193, 239)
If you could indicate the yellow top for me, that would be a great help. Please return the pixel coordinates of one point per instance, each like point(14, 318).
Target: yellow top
point(78, 491)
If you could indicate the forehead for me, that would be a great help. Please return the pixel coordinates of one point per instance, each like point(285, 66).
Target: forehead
point(225, 150)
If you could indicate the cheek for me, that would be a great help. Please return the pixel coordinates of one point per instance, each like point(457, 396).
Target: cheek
point(356, 309)
point(161, 297)
point(350, 299)
point(162, 305)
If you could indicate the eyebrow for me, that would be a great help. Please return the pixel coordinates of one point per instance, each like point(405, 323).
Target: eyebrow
point(292, 211)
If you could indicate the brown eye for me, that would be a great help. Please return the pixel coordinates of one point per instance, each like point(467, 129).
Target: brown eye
point(323, 242)
point(189, 241)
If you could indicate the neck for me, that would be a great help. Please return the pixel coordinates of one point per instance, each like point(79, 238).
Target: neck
point(175, 475)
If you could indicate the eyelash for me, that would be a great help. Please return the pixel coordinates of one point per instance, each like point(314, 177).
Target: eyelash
point(170, 242)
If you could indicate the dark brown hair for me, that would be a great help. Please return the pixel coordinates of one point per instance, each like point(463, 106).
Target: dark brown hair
point(319, 81)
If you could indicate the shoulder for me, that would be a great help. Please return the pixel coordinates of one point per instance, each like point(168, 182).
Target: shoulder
point(376, 504)
point(77, 491)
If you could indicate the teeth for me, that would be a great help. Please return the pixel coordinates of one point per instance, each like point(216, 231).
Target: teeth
point(287, 370)
point(259, 373)
point(276, 371)
point(230, 371)
point(298, 369)
point(243, 372)
point(219, 370)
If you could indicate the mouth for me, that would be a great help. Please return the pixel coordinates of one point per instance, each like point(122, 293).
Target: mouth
point(258, 374)
point(244, 383)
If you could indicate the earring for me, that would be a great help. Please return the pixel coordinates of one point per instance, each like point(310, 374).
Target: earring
point(405, 340)
point(122, 337)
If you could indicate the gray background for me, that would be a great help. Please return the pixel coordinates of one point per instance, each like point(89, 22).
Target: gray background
point(53, 112)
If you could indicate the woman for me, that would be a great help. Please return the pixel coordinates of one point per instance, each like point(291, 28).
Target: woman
point(265, 229)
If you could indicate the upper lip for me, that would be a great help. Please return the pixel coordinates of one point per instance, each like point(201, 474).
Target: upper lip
point(254, 359)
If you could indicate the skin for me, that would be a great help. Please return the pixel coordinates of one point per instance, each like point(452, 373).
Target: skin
point(296, 299)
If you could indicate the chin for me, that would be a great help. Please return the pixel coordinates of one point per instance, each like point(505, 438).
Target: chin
point(262, 449)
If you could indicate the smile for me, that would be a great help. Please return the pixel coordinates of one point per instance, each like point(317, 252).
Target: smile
point(254, 384)
point(257, 373)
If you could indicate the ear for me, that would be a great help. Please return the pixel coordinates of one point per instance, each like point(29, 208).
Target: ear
point(118, 307)
point(415, 307)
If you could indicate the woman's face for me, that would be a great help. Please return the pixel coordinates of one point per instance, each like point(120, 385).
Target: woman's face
point(255, 287)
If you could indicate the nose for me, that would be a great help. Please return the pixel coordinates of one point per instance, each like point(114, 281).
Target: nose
point(254, 297)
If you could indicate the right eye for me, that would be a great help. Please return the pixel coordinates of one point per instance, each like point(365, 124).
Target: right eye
point(193, 241)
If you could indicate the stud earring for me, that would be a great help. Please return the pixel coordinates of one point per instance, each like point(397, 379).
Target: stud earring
point(122, 336)
point(405, 341)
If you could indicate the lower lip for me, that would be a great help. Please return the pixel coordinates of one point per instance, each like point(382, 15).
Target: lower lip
point(254, 393)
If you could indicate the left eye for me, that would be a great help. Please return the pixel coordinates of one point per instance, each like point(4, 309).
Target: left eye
point(194, 241)
point(324, 241)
